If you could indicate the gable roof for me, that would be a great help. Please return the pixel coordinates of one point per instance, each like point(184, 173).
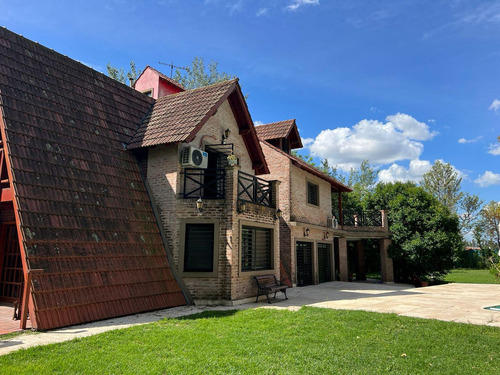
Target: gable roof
point(299, 163)
point(162, 76)
point(82, 209)
point(281, 129)
point(178, 118)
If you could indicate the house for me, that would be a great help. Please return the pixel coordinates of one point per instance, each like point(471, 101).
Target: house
point(313, 241)
point(235, 235)
point(79, 237)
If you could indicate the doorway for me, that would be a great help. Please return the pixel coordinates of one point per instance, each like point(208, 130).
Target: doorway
point(324, 262)
point(304, 263)
point(11, 267)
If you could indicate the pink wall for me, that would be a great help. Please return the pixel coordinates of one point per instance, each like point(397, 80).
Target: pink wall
point(150, 79)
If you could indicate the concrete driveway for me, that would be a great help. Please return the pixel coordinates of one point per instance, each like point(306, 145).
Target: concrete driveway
point(451, 302)
point(462, 303)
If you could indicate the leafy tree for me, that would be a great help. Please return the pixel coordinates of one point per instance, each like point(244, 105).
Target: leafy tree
point(119, 73)
point(443, 182)
point(197, 75)
point(491, 222)
point(425, 234)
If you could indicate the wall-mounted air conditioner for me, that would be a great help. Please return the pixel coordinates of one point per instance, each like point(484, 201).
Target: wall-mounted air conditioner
point(194, 158)
point(332, 223)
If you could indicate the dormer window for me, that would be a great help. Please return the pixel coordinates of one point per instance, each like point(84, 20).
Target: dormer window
point(148, 92)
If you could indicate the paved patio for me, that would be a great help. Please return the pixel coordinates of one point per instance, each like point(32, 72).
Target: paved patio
point(450, 302)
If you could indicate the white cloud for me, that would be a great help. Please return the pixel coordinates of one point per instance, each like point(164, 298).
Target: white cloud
point(488, 178)
point(262, 12)
point(410, 127)
point(494, 150)
point(473, 140)
point(295, 4)
point(378, 142)
point(495, 105)
point(414, 172)
point(257, 123)
point(375, 110)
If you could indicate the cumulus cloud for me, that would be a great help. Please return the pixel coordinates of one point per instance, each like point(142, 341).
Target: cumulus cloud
point(488, 178)
point(380, 143)
point(296, 4)
point(257, 123)
point(494, 150)
point(495, 105)
point(414, 172)
point(473, 140)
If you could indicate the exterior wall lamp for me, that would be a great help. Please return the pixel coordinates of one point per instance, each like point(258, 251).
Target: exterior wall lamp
point(242, 207)
point(226, 135)
point(278, 214)
point(199, 206)
point(307, 232)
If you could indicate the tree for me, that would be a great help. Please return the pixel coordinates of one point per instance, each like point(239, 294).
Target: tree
point(425, 234)
point(470, 207)
point(119, 73)
point(491, 223)
point(197, 76)
point(443, 182)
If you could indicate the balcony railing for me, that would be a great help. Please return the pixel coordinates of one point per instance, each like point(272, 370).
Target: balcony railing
point(362, 218)
point(254, 190)
point(207, 183)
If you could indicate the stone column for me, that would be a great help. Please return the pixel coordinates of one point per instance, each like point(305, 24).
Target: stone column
point(387, 268)
point(343, 260)
point(360, 247)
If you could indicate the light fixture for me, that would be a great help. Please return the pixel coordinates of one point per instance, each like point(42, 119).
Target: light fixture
point(242, 207)
point(199, 206)
point(326, 235)
point(307, 232)
point(278, 214)
point(226, 135)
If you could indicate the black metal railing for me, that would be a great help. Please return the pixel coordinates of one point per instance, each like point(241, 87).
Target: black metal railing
point(207, 183)
point(254, 190)
point(362, 218)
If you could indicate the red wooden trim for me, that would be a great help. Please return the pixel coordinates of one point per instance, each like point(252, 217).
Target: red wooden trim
point(6, 195)
point(17, 216)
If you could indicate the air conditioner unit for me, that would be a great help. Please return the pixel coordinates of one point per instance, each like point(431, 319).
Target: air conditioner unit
point(194, 158)
point(332, 223)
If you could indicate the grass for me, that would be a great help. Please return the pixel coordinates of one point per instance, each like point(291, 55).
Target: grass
point(311, 340)
point(470, 276)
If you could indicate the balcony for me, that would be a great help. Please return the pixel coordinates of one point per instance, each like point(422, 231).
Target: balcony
point(209, 183)
point(255, 190)
point(352, 218)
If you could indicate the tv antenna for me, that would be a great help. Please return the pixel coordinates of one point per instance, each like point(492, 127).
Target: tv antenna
point(172, 66)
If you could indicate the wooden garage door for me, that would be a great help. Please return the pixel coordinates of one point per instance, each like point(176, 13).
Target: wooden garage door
point(324, 262)
point(304, 263)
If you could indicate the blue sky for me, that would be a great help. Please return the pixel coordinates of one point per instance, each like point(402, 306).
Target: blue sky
point(401, 83)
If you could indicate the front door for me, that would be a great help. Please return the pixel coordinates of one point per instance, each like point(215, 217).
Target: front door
point(11, 268)
point(324, 262)
point(304, 263)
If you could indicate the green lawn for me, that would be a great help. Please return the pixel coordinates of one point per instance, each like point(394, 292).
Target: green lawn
point(312, 340)
point(470, 276)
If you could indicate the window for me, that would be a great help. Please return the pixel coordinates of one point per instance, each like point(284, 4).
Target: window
point(312, 194)
point(148, 92)
point(199, 248)
point(256, 249)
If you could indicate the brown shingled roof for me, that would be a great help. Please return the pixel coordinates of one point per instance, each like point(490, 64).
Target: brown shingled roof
point(178, 118)
point(84, 215)
point(298, 162)
point(280, 129)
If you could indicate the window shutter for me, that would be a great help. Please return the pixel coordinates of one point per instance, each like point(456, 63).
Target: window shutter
point(199, 248)
point(312, 194)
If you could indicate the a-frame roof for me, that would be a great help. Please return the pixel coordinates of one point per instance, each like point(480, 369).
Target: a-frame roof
point(178, 118)
point(83, 212)
point(281, 129)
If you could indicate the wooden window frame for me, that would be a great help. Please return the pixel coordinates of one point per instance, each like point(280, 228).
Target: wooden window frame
point(273, 245)
point(308, 184)
point(182, 248)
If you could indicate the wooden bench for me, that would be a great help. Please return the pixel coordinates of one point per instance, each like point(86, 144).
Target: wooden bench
point(268, 284)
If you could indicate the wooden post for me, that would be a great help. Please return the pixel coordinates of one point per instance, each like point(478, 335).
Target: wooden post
point(26, 297)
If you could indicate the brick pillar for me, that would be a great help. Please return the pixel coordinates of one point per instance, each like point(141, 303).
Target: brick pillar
point(230, 235)
point(360, 247)
point(344, 264)
point(387, 268)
